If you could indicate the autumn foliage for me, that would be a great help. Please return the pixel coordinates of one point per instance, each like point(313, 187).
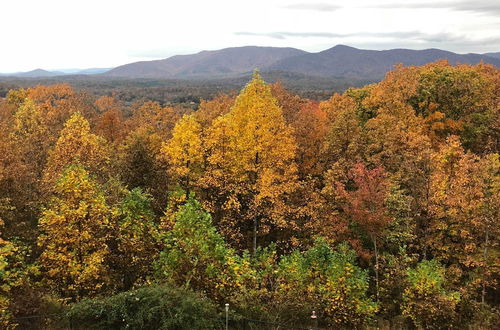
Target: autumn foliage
point(380, 204)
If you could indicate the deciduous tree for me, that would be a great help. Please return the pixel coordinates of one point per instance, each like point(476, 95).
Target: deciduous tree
point(251, 165)
point(184, 152)
point(76, 144)
point(367, 205)
point(74, 235)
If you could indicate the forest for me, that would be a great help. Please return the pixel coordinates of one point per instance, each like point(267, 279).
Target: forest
point(378, 207)
point(181, 92)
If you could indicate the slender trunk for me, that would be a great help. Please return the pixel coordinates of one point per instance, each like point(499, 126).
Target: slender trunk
point(188, 191)
point(190, 277)
point(256, 218)
point(376, 264)
point(79, 252)
point(255, 224)
point(485, 255)
point(186, 180)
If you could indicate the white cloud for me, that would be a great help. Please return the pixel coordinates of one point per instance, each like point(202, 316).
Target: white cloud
point(54, 34)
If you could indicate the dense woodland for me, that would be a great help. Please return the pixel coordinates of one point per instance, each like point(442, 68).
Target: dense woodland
point(184, 92)
point(376, 206)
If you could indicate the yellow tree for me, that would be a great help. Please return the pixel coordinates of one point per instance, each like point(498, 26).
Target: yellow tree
point(30, 132)
point(28, 142)
point(251, 164)
point(184, 152)
point(310, 129)
point(344, 140)
point(57, 103)
point(464, 206)
point(75, 230)
point(7, 249)
point(489, 222)
point(76, 144)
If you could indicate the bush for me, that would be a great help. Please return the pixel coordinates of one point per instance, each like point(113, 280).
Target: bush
point(195, 254)
point(322, 279)
point(332, 281)
point(425, 300)
point(154, 307)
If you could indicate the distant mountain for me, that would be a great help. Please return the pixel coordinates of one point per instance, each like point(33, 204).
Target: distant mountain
point(40, 73)
point(207, 64)
point(36, 74)
point(337, 62)
point(84, 71)
point(495, 55)
point(349, 62)
point(93, 71)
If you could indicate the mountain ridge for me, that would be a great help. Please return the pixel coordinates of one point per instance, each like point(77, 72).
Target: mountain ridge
point(349, 62)
point(213, 63)
point(41, 73)
point(340, 61)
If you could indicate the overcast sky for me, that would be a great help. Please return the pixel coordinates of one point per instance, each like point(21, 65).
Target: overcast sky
point(59, 34)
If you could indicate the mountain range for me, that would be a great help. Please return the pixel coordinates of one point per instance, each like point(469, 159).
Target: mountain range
point(41, 73)
point(337, 62)
point(495, 55)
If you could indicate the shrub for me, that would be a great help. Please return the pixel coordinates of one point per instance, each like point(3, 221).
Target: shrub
point(322, 279)
point(195, 254)
point(425, 300)
point(153, 307)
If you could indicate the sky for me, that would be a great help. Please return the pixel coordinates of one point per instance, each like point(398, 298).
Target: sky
point(63, 34)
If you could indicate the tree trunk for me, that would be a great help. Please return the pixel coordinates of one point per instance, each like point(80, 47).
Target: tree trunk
point(255, 224)
point(256, 218)
point(376, 265)
point(187, 181)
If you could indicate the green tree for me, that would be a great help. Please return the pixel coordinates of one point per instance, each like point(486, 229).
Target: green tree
point(331, 282)
point(426, 301)
point(195, 254)
point(137, 238)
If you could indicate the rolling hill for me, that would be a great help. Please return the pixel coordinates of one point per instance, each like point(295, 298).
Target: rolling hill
point(495, 55)
point(349, 62)
point(40, 73)
point(337, 62)
point(35, 74)
point(207, 64)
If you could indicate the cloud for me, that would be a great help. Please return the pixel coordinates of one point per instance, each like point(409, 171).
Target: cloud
point(413, 35)
point(389, 40)
point(286, 35)
point(313, 6)
point(491, 7)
